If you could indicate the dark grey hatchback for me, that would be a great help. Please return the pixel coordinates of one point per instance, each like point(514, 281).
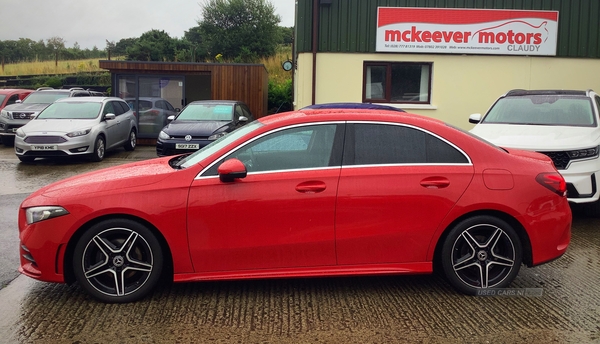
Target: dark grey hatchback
point(200, 123)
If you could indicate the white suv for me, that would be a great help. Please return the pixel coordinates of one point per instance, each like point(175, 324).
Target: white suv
point(564, 125)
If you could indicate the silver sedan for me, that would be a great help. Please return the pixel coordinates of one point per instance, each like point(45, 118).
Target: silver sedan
point(78, 126)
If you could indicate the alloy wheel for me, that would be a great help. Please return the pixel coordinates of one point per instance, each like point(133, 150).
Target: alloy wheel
point(483, 256)
point(117, 262)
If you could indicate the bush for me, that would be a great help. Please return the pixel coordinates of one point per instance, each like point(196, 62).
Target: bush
point(280, 96)
point(54, 82)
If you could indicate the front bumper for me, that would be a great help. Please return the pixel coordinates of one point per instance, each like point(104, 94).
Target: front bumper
point(81, 145)
point(164, 148)
point(582, 179)
point(41, 248)
point(9, 127)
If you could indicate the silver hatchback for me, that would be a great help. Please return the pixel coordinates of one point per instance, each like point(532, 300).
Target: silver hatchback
point(86, 126)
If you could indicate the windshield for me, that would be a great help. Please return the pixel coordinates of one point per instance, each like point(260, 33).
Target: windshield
point(2, 97)
point(543, 110)
point(213, 147)
point(76, 110)
point(44, 97)
point(206, 112)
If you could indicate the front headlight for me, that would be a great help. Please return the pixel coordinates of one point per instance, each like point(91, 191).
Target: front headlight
point(79, 133)
point(20, 133)
point(583, 153)
point(163, 136)
point(216, 136)
point(5, 114)
point(37, 214)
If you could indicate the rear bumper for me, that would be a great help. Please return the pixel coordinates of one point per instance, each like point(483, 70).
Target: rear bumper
point(551, 236)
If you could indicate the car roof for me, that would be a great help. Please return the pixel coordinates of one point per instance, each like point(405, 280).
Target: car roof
point(315, 115)
point(216, 102)
point(352, 106)
point(86, 99)
point(519, 92)
point(13, 90)
point(144, 98)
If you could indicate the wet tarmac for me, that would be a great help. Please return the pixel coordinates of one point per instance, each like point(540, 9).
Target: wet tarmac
point(392, 309)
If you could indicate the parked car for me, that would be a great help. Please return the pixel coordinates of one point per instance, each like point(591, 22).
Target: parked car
point(78, 126)
point(9, 96)
point(14, 116)
point(153, 113)
point(308, 193)
point(558, 123)
point(200, 123)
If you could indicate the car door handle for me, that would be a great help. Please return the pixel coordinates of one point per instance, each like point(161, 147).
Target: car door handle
point(435, 182)
point(312, 186)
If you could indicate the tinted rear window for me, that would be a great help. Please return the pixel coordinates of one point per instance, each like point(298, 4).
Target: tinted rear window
point(394, 144)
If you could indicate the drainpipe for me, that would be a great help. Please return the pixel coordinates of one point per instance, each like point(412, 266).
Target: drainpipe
point(315, 45)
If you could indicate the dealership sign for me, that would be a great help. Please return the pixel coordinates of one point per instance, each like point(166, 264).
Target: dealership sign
point(466, 31)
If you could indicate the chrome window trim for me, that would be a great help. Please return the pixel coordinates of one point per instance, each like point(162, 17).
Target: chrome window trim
point(280, 171)
point(200, 176)
point(468, 163)
point(404, 165)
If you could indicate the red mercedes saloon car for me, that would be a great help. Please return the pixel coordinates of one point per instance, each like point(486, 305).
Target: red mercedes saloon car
point(317, 192)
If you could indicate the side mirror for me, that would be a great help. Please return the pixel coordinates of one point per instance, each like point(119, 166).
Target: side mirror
point(231, 169)
point(18, 101)
point(32, 116)
point(243, 119)
point(170, 118)
point(177, 110)
point(475, 118)
point(109, 116)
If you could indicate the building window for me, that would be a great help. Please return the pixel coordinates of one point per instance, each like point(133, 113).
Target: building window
point(397, 82)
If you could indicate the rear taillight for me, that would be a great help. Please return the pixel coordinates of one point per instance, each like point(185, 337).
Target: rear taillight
point(553, 181)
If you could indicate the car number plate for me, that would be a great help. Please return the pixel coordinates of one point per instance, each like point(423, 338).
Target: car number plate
point(187, 146)
point(44, 148)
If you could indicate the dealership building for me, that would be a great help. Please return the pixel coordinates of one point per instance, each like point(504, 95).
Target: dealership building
point(445, 59)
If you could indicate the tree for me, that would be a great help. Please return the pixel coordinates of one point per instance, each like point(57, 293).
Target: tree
point(154, 45)
point(56, 44)
point(110, 48)
point(241, 30)
point(120, 49)
point(287, 34)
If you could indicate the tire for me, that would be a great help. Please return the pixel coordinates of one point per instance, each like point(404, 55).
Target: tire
point(132, 142)
point(99, 149)
point(8, 140)
point(481, 252)
point(118, 261)
point(26, 158)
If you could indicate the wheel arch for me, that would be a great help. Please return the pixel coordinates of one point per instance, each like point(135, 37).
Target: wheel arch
point(513, 222)
point(69, 274)
point(101, 134)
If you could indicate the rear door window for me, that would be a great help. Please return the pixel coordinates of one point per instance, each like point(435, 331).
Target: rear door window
point(385, 144)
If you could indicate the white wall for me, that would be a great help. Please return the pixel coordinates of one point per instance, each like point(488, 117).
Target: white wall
point(461, 84)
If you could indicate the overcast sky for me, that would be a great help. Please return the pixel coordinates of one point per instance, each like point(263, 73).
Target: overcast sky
point(91, 22)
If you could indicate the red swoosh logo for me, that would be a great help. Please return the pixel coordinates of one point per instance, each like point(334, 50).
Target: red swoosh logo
point(517, 21)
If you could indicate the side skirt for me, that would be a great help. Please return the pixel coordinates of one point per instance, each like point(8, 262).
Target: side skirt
point(321, 271)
